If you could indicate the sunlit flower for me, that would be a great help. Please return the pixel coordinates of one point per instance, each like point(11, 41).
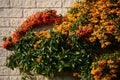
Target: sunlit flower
point(110, 61)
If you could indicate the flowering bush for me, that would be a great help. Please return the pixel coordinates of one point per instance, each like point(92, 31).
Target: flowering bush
point(85, 43)
point(107, 67)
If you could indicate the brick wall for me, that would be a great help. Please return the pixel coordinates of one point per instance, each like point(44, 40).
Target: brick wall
point(12, 14)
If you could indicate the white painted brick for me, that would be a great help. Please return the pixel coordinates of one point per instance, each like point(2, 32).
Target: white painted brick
point(67, 3)
point(3, 52)
point(10, 12)
point(64, 11)
point(15, 22)
point(4, 78)
point(4, 71)
point(15, 77)
point(4, 3)
point(29, 12)
point(1, 40)
point(4, 22)
point(15, 72)
point(2, 61)
point(5, 31)
point(22, 3)
point(49, 3)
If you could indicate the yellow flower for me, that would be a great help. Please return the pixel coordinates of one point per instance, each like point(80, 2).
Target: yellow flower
point(38, 59)
point(59, 28)
point(108, 76)
point(76, 5)
point(112, 71)
point(110, 62)
point(85, 0)
point(107, 43)
point(35, 45)
point(48, 36)
point(76, 74)
point(113, 66)
point(117, 37)
point(114, 76)
point(38, 42)
point(102, 63)
point(64, 32)
point(92, 39)
point(96, 77)
point(94, 20)
point(97, 71)
point(103, 79)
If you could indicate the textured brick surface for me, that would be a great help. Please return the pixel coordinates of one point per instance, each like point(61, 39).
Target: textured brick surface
point(12, 14)
point(3, 52)
point(22, 3)
point(4, 22)
point(1, 40)
point(2, 61)
point(15, 77)
point(64, 10)
point(4, 78)
point(5, 31)
point(14, 72)
point(49, 3)
point(4, 3)
point(16, 22)
point(4, 71)
point(67, 3)
point(29, 12)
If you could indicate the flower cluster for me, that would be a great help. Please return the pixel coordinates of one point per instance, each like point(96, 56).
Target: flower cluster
point(47, 17)
point(86, 42)
point(106, 69)
point(102, 16)
point(63, 28)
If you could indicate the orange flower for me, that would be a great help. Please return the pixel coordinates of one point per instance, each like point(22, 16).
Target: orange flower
point(102, 63)
point(112, 71)
point(76, 74)
point(16, 34)
point(110, 61)
point(48, 36)
point(5, 44)
point(38, 42)
point(15, 39)
point(92, 39)
point(35, 46)
point(118, 60)
point(113, 66)
point(38, 59)
point(114, 76)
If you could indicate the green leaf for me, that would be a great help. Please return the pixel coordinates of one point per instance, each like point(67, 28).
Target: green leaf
point(51, 74)
point(83, 51)
point(4, 38)
point(60, 68)
point(77, 53)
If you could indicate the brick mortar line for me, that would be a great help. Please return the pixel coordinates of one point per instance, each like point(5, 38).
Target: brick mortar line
point(28, 7)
